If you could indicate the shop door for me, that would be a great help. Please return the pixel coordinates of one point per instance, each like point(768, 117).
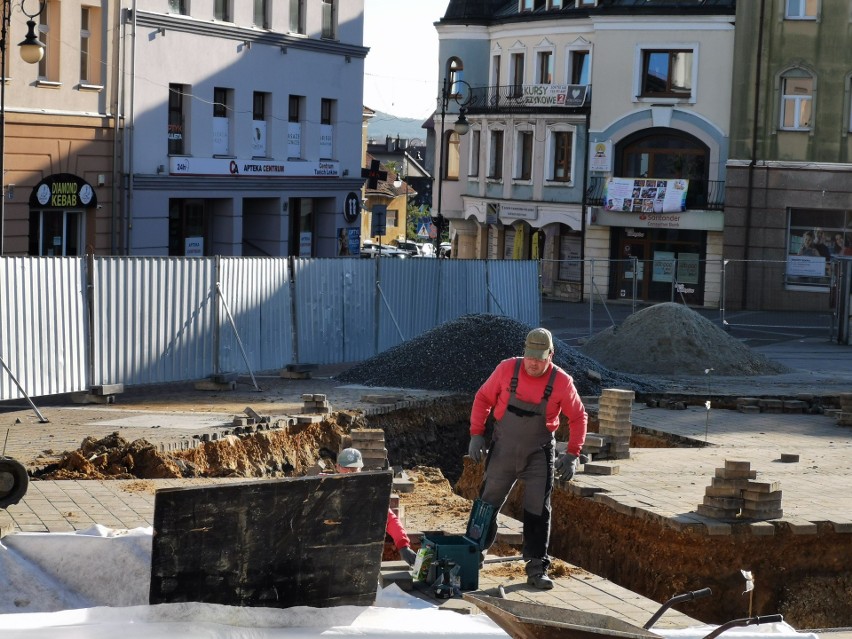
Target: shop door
point(629, 271)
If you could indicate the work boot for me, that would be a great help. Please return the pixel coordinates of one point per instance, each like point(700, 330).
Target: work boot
point(542, 581)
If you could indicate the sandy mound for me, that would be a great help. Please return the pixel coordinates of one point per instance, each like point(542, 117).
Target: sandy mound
point(669, 339)
point(459, 355)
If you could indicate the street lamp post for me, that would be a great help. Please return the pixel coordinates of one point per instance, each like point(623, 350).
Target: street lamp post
point(461, 126)
point(32, 51)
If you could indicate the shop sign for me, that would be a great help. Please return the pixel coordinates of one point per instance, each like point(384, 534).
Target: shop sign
point(63, 191)
point(253, 168)
point(519, 211)
point(553, 95)
point(600, 156)
point(641, 195)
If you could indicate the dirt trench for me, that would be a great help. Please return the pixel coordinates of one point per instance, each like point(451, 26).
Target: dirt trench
point(805, 578)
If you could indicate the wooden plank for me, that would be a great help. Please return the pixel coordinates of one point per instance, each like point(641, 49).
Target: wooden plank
point(308, 541)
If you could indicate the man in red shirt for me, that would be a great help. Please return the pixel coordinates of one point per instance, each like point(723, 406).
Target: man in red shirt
point(526, 395)
point(350, 460)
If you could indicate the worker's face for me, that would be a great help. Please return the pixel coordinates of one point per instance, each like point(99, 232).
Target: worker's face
point(536, 367)
point(344, 470)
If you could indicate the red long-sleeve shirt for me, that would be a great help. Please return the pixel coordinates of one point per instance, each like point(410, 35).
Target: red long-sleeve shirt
point(396, 531)
point(493, 396)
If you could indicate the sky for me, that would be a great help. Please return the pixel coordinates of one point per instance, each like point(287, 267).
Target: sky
point(401, 69)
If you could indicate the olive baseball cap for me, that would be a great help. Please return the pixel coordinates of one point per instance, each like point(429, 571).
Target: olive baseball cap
point(350, 458)
point(539, 344)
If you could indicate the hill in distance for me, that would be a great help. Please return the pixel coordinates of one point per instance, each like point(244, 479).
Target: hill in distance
point(383, 125)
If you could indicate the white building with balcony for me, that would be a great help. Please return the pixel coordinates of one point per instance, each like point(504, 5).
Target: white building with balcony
point(570, 102)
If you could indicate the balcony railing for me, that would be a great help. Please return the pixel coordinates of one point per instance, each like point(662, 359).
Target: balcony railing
point(530, 98)
point(701, 194)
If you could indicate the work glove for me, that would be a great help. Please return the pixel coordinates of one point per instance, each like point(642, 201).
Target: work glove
point(566, 466)
point(476, 450)
point(408, 555)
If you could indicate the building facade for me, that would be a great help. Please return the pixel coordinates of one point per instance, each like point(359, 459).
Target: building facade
point(252, 145)
point(789, 206)
point(599, 131)
point(61, 132)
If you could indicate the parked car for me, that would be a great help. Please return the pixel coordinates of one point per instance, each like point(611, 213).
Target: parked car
point(412, 248)
point(372, 249)
point(445, 249)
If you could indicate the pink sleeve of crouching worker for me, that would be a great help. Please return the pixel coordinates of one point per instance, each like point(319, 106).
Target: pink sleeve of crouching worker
point(396, 531)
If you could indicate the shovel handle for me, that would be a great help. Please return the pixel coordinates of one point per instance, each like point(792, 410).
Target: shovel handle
point(687, 596)
point(747, 621)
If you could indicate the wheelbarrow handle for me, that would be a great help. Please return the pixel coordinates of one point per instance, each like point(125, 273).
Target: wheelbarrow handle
point(747, 621)
point(687, 596)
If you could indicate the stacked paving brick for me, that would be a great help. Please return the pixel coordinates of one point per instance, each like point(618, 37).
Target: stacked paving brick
point(845, 417)
point(733, 494)
point(614, 415)
point(371, 443)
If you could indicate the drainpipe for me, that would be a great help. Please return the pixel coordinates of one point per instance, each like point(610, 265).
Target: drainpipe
point(753, 162)
point(118, 97)
point(585, 196)
point(128, 136)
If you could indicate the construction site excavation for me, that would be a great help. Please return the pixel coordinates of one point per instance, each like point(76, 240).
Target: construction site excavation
point(687, 486)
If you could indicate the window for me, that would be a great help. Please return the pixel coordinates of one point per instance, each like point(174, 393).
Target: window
point(177, 6)
point(495, 70)
point(555, 4)
point(516, 64)
point(222, 10)
point(55, 232)
point(524, 155)
point(260, 107)
point(532, 5)
point(667, 73)
point(579, 67)
point(473, 168)
point(545, 67)
point(222, 121)
point(294, 126)
point(85, 36)
point(261, 14)
point(329, 19)
point(802, 9)
point(797, 92)
point(562, 151)
point(391, 217)
point(297, 16)
point(177, 126)
point(48, 31)
point(326, 150)
point(452, 160)
point(495, 155)
point(455, 75)
point(186, 220)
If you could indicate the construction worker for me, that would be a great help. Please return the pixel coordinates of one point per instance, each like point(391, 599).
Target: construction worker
point(526, 396)
point(350, 460)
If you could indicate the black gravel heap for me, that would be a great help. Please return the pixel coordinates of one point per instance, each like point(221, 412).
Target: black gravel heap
point(459, 355)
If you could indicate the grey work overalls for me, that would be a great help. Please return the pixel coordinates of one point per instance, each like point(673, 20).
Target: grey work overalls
point(522, 448)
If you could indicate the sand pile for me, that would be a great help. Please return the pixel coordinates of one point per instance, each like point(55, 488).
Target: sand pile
point(671, 339)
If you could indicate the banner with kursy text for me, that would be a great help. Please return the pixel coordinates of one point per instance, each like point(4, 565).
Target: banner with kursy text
point(645, 195)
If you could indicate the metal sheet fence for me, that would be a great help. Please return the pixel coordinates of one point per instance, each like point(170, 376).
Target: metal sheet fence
point(43, 326)
point(67, 324)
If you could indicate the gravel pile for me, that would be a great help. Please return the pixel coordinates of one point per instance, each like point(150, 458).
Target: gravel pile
point(669, 338)
point(460, 355)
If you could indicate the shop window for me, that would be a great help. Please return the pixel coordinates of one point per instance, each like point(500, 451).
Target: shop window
point(55, 233)
point(814, 238)
point(187, 226)
point(667, 73)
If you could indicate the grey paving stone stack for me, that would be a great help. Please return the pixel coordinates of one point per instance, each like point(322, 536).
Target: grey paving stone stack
point(371, 443)
point(614, 420)
point(734, 494)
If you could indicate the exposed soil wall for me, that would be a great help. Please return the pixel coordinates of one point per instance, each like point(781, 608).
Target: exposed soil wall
point(807, 578)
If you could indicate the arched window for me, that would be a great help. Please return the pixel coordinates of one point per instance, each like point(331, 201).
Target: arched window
point(797, 94)
point(455, 73)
